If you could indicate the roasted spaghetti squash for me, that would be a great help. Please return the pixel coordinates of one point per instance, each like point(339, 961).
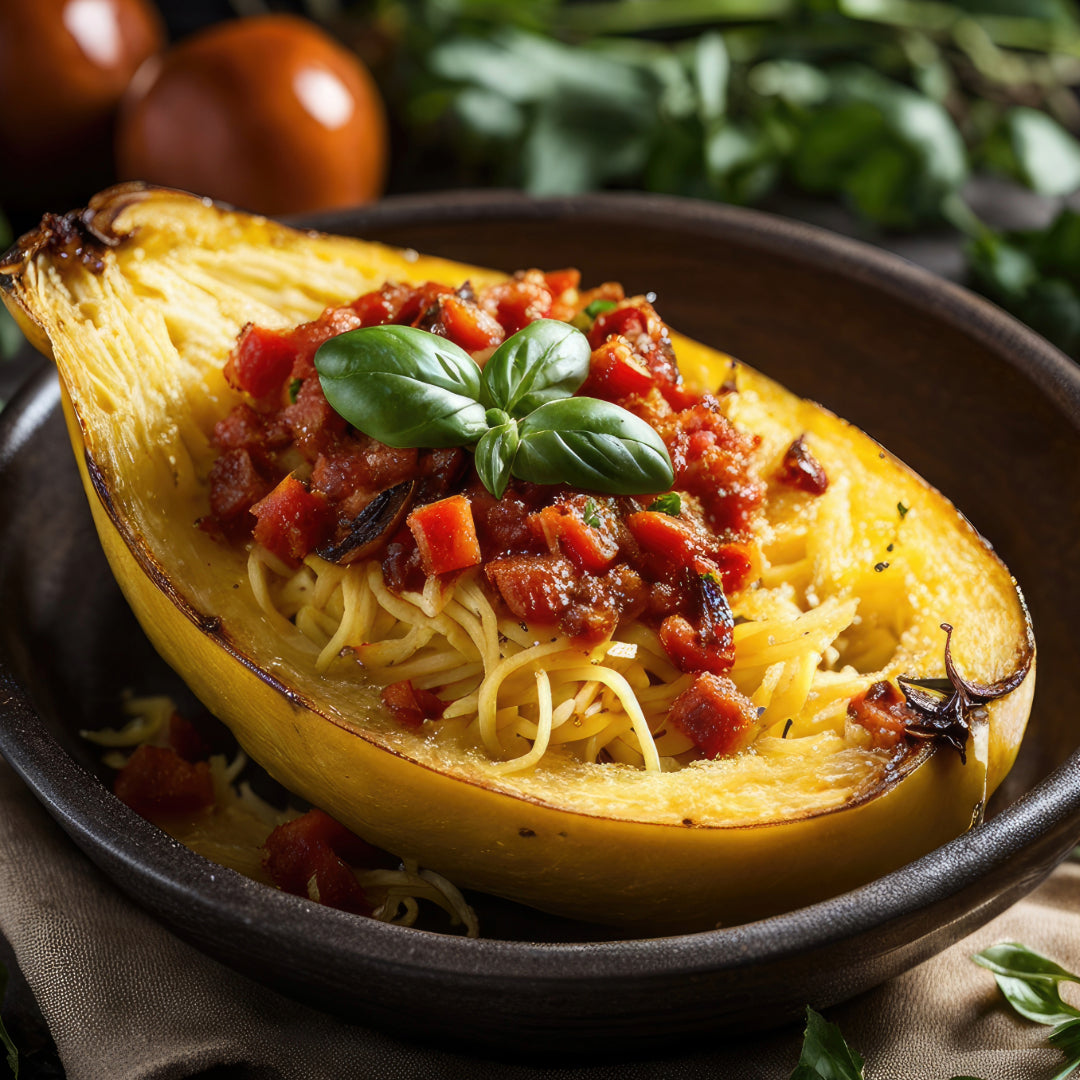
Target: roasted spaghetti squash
point(688, 705)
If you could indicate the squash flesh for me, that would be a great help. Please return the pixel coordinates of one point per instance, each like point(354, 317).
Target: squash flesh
point(595, 842)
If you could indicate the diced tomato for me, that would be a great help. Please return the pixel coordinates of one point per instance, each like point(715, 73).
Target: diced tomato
point(628, 321)
point(307, 338)
point(292, 521)
point(558, 281)
point(517, 303)
point(536, 588)
point(445, 535)
point(616, 373)
point(590, 545)
point(315, 427)
point(884, 712)
point(236, 484)
point(411, 705)
point(692, 649)
point(671, 537)
point(309, 857)
point(712, 460)
point(157, 783)
point(734, 565)
point(702, 639)
point(261, 361)
point(384, 305)
point(421, 300)
point(465, 324)
point(719, 719)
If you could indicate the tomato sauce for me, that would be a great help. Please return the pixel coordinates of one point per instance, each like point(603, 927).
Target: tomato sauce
point(572, 560)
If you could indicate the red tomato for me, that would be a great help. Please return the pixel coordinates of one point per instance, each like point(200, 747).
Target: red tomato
point(64, 65)
point(267, 113)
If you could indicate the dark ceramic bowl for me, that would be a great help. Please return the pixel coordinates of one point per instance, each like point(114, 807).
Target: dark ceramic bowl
point(984, 409)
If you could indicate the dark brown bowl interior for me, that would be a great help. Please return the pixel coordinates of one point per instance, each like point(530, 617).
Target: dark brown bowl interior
point(984, 409)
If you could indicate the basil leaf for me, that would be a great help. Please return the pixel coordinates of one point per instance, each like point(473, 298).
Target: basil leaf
point(403, 386)
point(825, 1055)
point(1029, 982)
point(594, 445)
point(545, 361)
point(494, 456)
point(598, 307)
point(1066, 1037)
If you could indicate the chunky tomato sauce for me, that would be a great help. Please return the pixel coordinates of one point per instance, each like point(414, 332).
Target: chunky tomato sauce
point(292, 474)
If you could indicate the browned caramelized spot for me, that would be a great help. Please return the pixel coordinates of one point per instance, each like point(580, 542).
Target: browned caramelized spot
point(883, 712)
point(801, 470)
point(67, 237)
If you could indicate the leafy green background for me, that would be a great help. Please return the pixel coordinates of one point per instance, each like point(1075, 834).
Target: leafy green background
point(886, 107)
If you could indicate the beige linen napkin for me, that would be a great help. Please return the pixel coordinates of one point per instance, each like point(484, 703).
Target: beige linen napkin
point(125, 1000)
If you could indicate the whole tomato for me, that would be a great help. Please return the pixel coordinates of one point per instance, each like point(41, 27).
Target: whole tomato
point(267, 113)
point(64, 65)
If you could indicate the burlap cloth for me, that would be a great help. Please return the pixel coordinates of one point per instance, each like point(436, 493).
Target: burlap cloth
point(124, 999)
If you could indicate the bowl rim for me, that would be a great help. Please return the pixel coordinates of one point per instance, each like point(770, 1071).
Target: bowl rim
point(98, 821)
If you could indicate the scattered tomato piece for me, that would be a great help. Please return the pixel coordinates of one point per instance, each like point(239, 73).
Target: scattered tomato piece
point(884, 712)
point(465, 324)
point(578, 528)
point(715, 715)
point(411, 705)
point(309, 857)
point(517, 303)
point(292, 521)
point(615, 372)
point(157, 783)
point(445, 535)
point(261, 361)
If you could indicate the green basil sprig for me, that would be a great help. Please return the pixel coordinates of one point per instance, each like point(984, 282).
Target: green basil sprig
point(403, 386)
point(406, 387)
point(546, 361)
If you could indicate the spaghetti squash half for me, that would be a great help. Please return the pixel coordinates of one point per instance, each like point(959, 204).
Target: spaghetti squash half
point(691, 708)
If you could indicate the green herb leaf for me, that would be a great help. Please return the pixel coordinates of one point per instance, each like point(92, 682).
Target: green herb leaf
point(598, 307)
point(591, 517)
point(545, 361)
point(494, 456)
point(294, 389)
point(668, 503)
point(1066, 1038)
point(1029, 982)
point(1039, 152)
point(403, 386)
point(825, 1054)
point(594, 445)
point(5, 1038)
point(902, 510)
